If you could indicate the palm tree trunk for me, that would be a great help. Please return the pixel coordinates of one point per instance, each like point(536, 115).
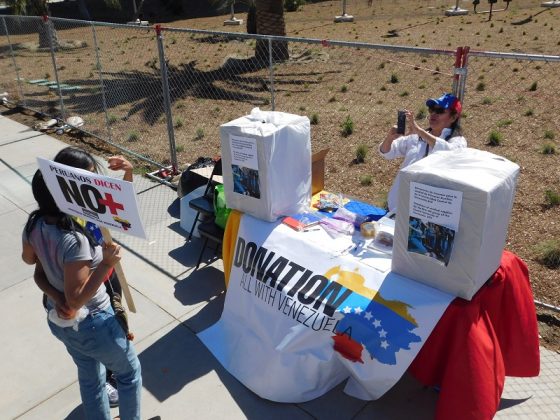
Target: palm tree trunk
point(44, 38)
point(270, 21)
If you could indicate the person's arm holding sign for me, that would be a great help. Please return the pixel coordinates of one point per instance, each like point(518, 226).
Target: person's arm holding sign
point(117, 163)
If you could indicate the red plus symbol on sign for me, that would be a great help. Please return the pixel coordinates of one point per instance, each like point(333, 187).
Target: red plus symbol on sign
point(113, 205)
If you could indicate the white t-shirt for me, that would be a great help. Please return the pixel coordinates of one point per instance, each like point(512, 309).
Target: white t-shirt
point(413, 148)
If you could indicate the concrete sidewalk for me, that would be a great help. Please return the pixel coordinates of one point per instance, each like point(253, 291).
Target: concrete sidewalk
point(181, 378)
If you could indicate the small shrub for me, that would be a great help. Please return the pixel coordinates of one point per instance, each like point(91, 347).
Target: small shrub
point(533, 87)
point(394, 78)
point(178, 123)
point(180, 149)
point(403, 94)
point(332, 99)
point(344, 88)
point(382, 88)
point(529, 113)
point(549, 253)
point(314, 120)
point(199, 134)
point(487, 101)
point(422, 113)
point(366, 180)
point(302, 108)
point(347, 126)
point(495, 138)
point(361, 152)
point(293, 5)
point(552, 198)
point(481, 87)
point(133, 136)
point(381, 66)
point(504, 123)
point(549, 134)
point(548, 149)
point(112, 119)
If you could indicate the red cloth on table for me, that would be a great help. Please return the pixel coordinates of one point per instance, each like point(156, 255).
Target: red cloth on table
point(476, 344)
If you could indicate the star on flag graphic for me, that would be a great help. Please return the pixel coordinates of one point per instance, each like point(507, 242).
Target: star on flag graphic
point(368, 321)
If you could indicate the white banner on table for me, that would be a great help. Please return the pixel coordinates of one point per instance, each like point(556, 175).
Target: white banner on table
point(107, 202)
point(297, 321)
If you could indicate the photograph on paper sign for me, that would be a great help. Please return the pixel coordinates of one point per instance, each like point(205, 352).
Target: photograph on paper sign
point(430, 239)
point(246, 181)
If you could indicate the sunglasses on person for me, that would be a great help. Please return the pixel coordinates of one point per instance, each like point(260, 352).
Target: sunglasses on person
point(436, 110)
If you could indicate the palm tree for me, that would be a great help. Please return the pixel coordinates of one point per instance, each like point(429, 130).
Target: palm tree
point(41, 8)
point(269, 17)
point(37, 8)
point(265, 17)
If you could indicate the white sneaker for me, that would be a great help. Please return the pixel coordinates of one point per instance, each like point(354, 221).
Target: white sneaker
point(113, 395)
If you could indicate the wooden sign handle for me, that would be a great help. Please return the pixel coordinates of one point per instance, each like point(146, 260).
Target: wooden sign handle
point(120, 273)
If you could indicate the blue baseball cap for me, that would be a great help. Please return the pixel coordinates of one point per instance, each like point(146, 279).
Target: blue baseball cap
point(446, 101)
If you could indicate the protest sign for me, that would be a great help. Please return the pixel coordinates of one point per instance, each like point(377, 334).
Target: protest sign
point(108, 202)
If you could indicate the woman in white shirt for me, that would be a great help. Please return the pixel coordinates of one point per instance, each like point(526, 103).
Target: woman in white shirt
point(444, 133)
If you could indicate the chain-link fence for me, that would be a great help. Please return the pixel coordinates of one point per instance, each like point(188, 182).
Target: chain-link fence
point(111, 76)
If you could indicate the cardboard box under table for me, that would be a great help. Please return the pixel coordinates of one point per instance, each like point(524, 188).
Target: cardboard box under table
point(452, 216)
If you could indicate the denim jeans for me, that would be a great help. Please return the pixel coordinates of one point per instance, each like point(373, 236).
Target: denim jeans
point(100, 342)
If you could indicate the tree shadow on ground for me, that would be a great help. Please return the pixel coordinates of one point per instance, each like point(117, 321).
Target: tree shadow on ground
point(237, 80)
point(142, 90)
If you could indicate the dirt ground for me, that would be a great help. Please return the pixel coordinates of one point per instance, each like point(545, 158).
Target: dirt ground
point(506, 104)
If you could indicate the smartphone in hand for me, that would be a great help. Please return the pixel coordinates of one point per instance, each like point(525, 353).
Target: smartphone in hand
point(401, 122)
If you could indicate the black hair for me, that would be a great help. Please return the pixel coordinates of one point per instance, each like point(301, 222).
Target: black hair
point(456, 129)
point(71, 156)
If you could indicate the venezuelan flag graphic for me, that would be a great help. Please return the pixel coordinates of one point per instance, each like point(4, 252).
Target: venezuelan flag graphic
point(368, 321)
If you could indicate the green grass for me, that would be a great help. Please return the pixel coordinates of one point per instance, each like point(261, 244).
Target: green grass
point(394, 78)
point(133, 136)
point(549, 134)
point(361, 152)
point(548, 253)
point(422, 113)
point(504, 123)
point(314, 120)
point(548, 148)
point(366, 180)
point(199, 134)
point(347, 126)
point(495, 138)
point(552, 198)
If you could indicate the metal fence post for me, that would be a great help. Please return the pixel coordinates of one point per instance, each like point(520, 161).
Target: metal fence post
point(101, 81)
point(464, 68)
point(20, 88)
point(49, 33)
point(456, 71)
point(271, 66)
point(166, 98)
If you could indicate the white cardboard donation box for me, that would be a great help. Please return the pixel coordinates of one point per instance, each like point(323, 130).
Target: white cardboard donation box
point(266, 161)
point(453, 213)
